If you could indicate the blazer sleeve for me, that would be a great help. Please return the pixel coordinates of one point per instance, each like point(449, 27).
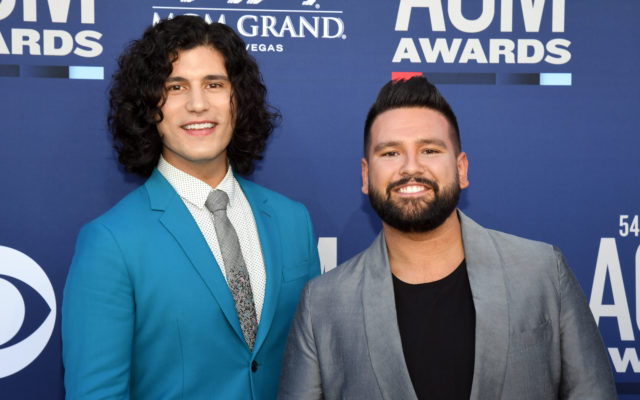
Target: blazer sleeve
point(314, 263)
point(586, 372)
point(300, 378)
point(97, 318)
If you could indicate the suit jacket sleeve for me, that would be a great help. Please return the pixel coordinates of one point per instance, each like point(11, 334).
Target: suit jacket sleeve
point(300, 378)
point(97, 318)
point(314, 264)
point(586, 372)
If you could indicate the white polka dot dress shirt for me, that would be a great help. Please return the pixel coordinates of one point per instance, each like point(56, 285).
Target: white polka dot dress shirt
point(194, 193)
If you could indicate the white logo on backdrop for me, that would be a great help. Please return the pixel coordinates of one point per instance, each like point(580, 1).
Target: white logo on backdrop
point(264, 30)
point(328, 252)
point(26, 38)
point(19, 266)
point(525, 20)
point(248, 1)
point(304, 3)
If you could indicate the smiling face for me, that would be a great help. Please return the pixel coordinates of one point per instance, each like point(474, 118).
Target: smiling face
point(412, 173)
point(198, 118)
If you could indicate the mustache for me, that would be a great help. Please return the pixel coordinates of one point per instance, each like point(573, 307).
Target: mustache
point(417, 179)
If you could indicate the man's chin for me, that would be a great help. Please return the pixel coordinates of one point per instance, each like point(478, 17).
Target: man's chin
point(413, 205)
point(417, 217)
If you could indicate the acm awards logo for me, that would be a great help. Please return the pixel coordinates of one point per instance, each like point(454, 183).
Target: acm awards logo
point(27, 38)
point(304, 3)
point(261, 23)
point(18, 348)
point(613, 308)
point(517, 27)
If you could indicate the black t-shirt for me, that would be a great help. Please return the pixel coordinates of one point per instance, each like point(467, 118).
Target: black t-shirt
point(437, 327)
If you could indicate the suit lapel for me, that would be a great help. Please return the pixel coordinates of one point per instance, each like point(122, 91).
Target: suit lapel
point(177, 219)
point(486, 276)
point(381, 324)
point(270, 243)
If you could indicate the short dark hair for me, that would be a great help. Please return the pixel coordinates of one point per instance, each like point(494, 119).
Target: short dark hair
point(137, 93)
point(414, 92)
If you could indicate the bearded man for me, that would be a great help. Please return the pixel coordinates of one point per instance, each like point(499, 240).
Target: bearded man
point(439, 307)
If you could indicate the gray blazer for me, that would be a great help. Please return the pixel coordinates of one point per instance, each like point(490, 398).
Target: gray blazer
point(535, 335)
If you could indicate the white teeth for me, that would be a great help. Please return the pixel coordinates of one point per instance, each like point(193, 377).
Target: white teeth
point(411, 189)
point(204, 125)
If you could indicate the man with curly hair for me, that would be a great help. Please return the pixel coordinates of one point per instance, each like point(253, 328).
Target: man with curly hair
point(186, 288)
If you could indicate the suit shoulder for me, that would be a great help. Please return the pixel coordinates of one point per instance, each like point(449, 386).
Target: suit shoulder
point(349, 273)
point(503, 239)
point(272, 195)
point(479, 236)
point(540, 258)
point(277, 202)
point(129, 211)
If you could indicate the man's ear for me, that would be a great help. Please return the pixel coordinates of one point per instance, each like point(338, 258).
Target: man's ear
point(463, 169)
point(365, 176)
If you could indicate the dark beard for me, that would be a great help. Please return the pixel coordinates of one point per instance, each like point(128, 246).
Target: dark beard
point(416, 215)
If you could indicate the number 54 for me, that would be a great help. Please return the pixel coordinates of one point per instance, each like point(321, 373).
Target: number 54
point(626, 227)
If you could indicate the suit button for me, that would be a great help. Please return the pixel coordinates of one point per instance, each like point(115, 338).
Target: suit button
point(254, 366)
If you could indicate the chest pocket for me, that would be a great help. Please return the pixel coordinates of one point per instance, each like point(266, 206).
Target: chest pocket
point(525, 340)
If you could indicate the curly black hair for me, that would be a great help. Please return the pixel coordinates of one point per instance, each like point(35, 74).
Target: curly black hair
point(137, 93)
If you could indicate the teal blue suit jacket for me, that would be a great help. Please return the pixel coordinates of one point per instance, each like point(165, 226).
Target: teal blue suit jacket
point(147, 313)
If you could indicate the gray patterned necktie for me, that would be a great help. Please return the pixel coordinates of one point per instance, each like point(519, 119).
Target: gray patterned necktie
point(234, 266)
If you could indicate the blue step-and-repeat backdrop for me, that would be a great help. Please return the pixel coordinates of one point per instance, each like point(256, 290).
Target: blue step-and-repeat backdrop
point(547, 94)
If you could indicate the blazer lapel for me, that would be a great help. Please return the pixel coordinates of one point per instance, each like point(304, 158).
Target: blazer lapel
point(485, 269)
point(270, 244)
point(381, 324)
point(177, 219)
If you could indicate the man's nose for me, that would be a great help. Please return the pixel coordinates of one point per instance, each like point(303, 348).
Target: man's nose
point(411, 165)
point(197, 101)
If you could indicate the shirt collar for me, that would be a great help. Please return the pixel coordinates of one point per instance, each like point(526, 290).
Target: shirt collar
point(194, 190)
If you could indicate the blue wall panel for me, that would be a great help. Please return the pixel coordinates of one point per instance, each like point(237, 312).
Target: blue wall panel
point(552, 143)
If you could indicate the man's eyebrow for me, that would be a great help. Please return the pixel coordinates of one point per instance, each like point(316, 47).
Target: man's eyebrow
point(216, 78)
point(173, 79)
point(383, 145)
point(437, 142)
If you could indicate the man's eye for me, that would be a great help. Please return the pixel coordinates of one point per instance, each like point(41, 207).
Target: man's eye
point(389, 154)
point(215, 85)
point(173, 88)
point(430, 151)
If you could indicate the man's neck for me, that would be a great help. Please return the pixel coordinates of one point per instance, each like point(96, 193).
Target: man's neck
point(211, 176)
point(211, 173)
point(428, 256)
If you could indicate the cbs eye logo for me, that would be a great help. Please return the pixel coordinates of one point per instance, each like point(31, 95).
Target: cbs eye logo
point(21, 341)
